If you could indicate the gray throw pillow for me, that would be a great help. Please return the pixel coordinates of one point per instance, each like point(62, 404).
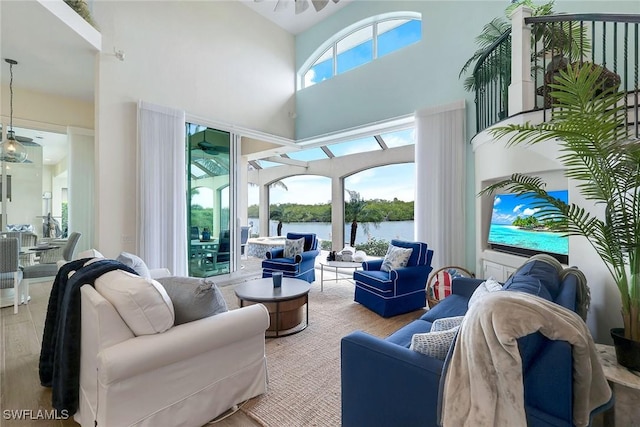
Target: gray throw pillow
point(134, 262)
point(293, 247)
point(192, 298)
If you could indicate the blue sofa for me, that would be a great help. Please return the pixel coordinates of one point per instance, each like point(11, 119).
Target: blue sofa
point(299, 267)
point(398, 291)
point(385, 383)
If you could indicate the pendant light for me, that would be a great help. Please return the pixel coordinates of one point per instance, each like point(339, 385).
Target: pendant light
point(10, 149)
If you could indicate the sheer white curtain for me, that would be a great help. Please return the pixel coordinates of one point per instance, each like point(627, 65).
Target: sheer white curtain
point(440, 182)
point(162, 210)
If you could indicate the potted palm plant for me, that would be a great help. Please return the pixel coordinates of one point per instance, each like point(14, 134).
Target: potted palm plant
point(590, 125)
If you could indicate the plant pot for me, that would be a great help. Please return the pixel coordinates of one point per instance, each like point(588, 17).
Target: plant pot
point(627, 351)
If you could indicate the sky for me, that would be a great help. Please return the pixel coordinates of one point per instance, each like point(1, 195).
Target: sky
point(507, 207)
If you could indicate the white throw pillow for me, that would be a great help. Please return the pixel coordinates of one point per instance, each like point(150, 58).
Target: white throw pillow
point(434, 344)
point(90, 253)
point(446, 323)
point(134, 262)
point(142, 303)
point(293, 247)
point(396, 257)
point(488, 286)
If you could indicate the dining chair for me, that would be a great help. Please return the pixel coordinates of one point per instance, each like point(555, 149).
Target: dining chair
point(47, 267)
point(10, 273)
point(25, 240)
point(244, 237)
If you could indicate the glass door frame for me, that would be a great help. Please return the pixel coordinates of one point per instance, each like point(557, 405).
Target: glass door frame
point(234, 192)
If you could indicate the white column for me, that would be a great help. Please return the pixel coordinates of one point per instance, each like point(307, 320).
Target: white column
point(81, 186)
point(263, 207)
point(337, 213)
point(521, 90)
point(440, 163)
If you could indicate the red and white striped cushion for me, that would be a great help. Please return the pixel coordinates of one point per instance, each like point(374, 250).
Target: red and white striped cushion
point(442, 285)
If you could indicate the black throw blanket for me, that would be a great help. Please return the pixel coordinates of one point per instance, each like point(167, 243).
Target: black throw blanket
point(60, 353)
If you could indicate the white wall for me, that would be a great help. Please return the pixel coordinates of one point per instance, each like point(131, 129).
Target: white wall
point(217, 60)
point(81, 179)
point(46, 112)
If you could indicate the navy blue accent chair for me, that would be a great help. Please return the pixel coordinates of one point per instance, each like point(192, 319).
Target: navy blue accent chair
point(301, 266)
point(397, 291)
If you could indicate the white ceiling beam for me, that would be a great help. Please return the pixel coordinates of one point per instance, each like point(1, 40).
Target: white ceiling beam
point(287, 161)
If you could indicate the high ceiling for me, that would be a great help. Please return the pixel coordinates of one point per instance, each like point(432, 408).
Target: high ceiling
point(53, 59)
point(283, 12)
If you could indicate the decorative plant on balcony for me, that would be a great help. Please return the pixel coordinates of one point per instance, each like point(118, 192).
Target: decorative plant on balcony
point(590, 126)
point(82, 8)
point(557, 40)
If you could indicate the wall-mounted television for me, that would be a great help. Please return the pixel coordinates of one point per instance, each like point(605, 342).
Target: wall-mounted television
point(517, 228)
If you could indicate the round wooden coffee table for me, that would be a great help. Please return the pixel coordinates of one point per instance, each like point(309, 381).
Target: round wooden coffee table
point(285, 304)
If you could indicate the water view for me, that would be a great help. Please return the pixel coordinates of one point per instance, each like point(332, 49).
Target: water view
point(386, 230)
point(538, 240)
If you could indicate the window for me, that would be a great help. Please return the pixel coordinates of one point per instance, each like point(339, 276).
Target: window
point(360, 44)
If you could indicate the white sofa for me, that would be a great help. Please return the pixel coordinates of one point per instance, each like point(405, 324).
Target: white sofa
point(185, 376)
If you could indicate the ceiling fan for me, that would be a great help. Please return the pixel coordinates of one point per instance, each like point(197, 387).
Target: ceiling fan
point(301, 5)
point(212, 149)
point(210, 142)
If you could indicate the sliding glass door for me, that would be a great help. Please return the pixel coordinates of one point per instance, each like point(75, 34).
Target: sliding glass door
point(209, 200)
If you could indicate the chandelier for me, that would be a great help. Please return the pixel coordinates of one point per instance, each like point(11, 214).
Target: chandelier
point(11, 150)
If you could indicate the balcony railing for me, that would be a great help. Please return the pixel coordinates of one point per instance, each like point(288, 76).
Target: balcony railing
point(492, 76)
point(610, 41)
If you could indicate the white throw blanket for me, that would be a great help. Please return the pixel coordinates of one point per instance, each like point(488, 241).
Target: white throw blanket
point(484, 384)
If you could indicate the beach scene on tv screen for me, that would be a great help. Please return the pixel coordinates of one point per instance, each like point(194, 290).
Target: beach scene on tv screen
point(516, 222)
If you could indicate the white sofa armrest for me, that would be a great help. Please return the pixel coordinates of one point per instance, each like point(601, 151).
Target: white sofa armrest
point(149, 352)
point(157, 273)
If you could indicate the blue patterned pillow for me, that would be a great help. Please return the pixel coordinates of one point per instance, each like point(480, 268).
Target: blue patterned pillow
point(293, 247)
point(446, 323)
point(434, 344)
point(396, 257)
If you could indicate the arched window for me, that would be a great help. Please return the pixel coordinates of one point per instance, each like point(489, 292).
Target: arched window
point(359, 44)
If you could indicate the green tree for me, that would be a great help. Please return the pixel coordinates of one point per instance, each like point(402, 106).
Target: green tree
point(352, 210)
point(356, 209)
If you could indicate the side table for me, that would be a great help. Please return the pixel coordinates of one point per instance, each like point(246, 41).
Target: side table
point(625, 385)
point(336, 265)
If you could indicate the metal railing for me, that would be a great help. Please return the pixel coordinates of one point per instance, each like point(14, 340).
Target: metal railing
point(492, 77)
point(607, 40)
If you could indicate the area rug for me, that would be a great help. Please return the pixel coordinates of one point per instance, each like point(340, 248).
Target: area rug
point(304, 368)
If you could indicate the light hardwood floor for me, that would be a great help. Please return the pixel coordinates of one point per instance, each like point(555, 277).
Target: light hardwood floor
point(20, 389)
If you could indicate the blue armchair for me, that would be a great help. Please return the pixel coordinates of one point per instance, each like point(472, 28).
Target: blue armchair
point(397, 291)
point(301, 266)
